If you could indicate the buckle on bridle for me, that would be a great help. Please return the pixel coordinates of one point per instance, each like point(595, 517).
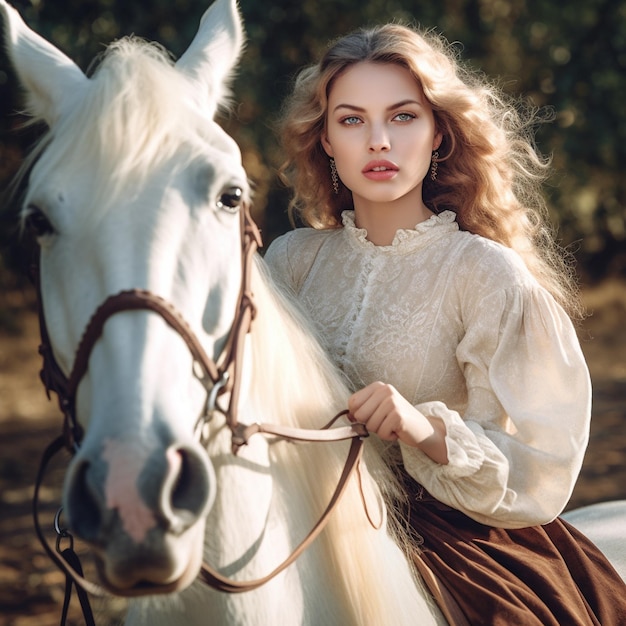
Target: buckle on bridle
point(210, 407)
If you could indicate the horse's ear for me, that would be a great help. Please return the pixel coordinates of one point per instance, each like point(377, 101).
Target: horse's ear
point(50, 78)
point(213, 54)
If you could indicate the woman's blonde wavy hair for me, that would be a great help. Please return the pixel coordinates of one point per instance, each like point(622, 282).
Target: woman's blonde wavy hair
point(490, 173)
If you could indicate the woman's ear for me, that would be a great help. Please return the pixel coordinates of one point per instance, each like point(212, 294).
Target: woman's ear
point(326, 145)
point(437, 140)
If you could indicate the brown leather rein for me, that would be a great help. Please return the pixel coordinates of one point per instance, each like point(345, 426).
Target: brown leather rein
point(223, 375)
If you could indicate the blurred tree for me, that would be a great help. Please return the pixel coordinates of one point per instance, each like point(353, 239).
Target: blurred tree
point(570, 57)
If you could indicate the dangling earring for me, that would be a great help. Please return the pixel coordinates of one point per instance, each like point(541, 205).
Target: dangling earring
point(434, 165)
point(333, 176)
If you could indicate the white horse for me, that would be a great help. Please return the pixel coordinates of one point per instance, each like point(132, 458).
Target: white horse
point(135, 187)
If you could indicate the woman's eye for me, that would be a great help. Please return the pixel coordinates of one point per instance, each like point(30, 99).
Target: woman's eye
point(351, 120)
point(230, 199)
point(404, 117)
point(37, 222)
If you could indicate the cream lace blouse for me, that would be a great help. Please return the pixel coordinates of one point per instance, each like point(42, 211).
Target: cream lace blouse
point(459, 326)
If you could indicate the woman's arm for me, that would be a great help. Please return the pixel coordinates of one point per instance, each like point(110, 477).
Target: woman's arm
point(515, 453)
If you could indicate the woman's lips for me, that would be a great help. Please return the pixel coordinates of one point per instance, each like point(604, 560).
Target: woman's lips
point(380, 170)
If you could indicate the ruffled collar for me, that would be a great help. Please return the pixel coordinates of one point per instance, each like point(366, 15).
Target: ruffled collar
point(405, 239)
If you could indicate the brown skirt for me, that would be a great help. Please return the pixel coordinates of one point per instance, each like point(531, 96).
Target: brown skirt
point(549, 575)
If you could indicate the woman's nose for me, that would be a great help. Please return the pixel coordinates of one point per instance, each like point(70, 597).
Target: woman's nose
point(379, 139)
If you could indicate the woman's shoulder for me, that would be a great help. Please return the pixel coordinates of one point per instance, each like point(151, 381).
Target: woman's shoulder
point(486, 255)
point(493, 283)
point(291, 255)
point(485, 266)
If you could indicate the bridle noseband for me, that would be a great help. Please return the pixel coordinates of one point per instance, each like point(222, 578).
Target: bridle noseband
point(219, 376)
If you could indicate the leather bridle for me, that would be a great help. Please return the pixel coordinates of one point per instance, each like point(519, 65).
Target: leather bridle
point(219, 376)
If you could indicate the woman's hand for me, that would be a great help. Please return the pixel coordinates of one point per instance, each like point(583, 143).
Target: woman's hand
point(389, 415)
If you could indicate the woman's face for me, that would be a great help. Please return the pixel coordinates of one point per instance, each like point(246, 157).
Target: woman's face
point(380, 129)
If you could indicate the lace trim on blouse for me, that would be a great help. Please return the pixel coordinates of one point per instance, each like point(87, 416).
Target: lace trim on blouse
point(405, 240)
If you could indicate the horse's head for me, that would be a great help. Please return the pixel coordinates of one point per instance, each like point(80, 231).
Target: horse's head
point(135, 187)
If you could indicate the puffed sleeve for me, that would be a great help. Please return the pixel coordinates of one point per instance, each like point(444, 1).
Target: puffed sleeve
point(515, 453)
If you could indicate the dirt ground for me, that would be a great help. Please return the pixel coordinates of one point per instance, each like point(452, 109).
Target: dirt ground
point(31, 589)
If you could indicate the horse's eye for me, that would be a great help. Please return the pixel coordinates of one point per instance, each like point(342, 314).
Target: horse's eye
point(231, 199)
point(37, 222)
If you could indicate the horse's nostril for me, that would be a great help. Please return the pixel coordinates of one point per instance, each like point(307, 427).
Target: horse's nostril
point(83, 511)
point(182, 495)
point(187, 487)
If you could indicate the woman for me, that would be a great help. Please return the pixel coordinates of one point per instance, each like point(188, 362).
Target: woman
point(438, 291)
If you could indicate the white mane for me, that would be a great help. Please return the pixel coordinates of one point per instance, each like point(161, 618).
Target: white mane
point(306, 393)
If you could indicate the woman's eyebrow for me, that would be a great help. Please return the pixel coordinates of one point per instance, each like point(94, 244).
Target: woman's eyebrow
point(351, 107)
point(392, 107)
point(404, 103)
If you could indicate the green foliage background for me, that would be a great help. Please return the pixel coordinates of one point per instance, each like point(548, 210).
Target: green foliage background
point(568, 56)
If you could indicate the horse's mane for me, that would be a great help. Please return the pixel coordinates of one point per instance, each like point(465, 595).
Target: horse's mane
point(137, 110)
point(307, 391)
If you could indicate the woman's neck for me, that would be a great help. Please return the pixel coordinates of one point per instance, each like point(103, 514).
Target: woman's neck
point(382, 222)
